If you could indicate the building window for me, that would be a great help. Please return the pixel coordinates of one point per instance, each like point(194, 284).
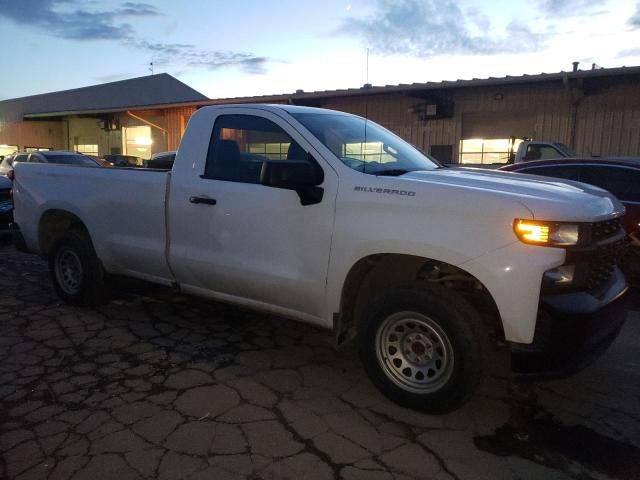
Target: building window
point(7, 149)
point(36, 149)
point(368, 152)
point(480, 151)
point(87, 149)
point(272, 151)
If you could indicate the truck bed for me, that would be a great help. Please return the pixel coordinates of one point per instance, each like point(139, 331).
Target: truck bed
point(123, 207)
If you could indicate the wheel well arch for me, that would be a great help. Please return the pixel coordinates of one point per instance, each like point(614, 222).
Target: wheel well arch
point(53, 224)
point(370, 275)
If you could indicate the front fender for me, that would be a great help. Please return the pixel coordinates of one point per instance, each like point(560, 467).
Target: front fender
point(513, 276)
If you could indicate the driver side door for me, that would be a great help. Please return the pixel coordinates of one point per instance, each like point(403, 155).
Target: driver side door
point(237, 240)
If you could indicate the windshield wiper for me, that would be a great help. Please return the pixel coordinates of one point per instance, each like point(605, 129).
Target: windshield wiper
point(392, 172)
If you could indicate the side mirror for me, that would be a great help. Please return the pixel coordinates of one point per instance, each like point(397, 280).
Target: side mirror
point(299, 175)
point(290, 174)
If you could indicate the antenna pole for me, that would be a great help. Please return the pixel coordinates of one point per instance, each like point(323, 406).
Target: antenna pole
point(151, 67)
point(366, 117)
point(367, 74)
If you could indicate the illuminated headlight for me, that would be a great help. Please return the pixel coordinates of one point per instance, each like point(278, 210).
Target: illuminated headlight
point(550, 234)
point(560, 276)
point(565, 234)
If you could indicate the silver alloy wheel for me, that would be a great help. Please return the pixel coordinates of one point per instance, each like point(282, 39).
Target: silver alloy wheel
point(414, 352)
point(68, 269)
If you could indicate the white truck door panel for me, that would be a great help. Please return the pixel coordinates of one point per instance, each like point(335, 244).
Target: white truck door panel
point(256, 242)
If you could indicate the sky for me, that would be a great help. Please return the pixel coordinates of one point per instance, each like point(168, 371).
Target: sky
point(250, 47)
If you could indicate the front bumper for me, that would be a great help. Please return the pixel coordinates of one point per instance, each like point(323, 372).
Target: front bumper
point(572, 330)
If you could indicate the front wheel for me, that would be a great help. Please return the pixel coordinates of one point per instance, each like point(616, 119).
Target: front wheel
point(421, 346)
point(75, 270)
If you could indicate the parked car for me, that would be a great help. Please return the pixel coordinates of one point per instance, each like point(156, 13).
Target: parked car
point(161, 161)
point(6, 205)
point(100, 161)
point(6, 164)
point(51, 156)
point(620, 177)
point(275, 207)
point(124, 160)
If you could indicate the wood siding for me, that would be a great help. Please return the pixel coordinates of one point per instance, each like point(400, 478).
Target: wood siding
point(176, 122)
point(34, 134)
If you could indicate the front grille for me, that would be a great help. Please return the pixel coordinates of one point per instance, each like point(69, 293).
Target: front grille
point(595, 261)
point(605, 229)
point(599, 267)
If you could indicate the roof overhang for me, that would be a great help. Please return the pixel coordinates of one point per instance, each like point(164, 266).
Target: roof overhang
point(408, 89)
point(68, 113)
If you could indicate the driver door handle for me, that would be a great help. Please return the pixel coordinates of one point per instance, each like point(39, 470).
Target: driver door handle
point(203, 200)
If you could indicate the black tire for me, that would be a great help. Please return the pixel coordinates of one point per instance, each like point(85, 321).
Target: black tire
point(436, 325)
point(71, 253)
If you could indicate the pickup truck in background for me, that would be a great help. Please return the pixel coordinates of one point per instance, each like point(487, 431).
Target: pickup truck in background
point(530, 150)
point(330, 219)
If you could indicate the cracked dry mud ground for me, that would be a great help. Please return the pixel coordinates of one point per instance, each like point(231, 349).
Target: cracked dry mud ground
point(159, 385)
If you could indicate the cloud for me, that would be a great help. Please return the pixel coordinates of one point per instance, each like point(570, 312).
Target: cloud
point(138, 9)
point(425, 28)
point(73, 20)
point(571, 8)
point(634, 21)
point(629, 52)
point(189, 55)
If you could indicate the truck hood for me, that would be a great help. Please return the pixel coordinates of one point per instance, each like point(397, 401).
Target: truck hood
point(547, 199)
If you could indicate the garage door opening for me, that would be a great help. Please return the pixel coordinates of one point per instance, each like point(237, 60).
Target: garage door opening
point(486, 151)
point(137, 141)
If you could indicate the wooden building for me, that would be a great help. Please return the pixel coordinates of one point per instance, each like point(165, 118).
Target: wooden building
point(479, 121)
point(595, 112)
point(137, 117)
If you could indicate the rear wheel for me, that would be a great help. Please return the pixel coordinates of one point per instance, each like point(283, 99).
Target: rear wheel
point(421, 346)
point(75, 270)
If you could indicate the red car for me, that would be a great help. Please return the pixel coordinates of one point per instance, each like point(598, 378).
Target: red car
point(619, 176)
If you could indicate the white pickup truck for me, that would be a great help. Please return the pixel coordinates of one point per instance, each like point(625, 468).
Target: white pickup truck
point(328, 218)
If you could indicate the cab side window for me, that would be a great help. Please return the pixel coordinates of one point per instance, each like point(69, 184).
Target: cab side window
point(241, 143)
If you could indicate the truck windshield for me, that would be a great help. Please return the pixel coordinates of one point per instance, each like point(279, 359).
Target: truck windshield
point(364, 145)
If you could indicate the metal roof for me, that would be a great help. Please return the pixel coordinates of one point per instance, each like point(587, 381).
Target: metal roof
point(442, 85)
point(148, 91)
point(163, 91)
